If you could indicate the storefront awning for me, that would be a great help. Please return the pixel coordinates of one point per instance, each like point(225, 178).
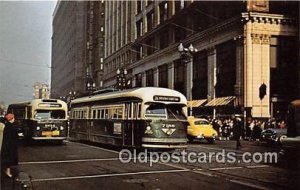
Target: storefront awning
point(196, 103)
point(222, 101)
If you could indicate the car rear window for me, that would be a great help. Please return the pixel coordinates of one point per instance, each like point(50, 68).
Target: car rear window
point(201, 122)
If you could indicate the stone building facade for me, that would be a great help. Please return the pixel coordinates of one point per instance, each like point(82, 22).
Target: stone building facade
point(243, 47)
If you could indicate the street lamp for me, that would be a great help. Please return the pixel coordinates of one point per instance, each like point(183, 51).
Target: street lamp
point(71, 96)
point(91, 86)
point(186, 55)
point(121, 79)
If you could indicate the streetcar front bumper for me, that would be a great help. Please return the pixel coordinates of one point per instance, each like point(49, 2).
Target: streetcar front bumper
point(171, 143)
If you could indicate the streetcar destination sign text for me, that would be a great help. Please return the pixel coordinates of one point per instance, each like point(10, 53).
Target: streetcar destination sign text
point(166, 98)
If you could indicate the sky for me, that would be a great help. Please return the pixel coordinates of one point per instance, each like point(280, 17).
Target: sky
point(25, 47)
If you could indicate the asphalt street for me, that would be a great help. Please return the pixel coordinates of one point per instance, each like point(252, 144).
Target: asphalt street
point(77, 166)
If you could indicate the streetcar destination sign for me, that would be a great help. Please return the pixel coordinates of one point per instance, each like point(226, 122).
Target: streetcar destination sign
point(166, 98)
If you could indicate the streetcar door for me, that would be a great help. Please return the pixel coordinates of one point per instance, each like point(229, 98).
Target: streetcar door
point(132, 114)
point(127, 125)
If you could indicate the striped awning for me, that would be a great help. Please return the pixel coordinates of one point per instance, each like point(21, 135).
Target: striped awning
point(196, 103)
point(222, 101)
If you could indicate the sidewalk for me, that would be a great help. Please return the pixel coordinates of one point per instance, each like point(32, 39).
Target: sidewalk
point(22, 182)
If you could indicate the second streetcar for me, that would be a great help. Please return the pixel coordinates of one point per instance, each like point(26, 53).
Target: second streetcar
point(148, 117)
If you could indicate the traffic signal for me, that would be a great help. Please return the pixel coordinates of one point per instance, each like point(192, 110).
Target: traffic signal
point(262, 91)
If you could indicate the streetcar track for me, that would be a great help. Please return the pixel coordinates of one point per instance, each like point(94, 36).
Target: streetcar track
point(69, 161)
point(109, 175)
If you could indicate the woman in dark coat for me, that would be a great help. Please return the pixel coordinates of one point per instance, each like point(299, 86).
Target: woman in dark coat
point(9, 151)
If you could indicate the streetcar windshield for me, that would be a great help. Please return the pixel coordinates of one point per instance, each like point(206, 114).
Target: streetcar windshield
point(175, 111)
point(156, 111)
point(50, 114)
point(172, 111)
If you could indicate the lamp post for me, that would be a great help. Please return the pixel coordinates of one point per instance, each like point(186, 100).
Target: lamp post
point(71, 96)
point(186, 55)
point(91, 86)
point(121, 79)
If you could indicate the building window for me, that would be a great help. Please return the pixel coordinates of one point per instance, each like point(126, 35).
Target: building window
point(139, 28)
point(149, 2)
point(138, 80)
point(149, 78)
point(200, 77)
point(163, 76)
point(164, 39)
point(150, 20)
point(179, 76)
point(141, 52)
point(226, 69)
point(150, 46)
point(283, 68)
point(163, 9)
point(139, 6)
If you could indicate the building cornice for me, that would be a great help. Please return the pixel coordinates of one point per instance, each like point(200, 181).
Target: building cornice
point(255, 17)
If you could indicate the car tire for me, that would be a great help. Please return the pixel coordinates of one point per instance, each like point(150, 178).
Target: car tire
point(211, 141)
point(191, 139)
point(279, 140)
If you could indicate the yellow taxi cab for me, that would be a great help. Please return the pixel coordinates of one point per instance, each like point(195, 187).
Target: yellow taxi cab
point(201, 129)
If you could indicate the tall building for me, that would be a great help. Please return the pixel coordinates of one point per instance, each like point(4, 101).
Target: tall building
point(77, 47)
point(41, 91)
point(247, 59)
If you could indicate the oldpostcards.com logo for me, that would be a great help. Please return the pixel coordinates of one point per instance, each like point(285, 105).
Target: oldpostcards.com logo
point(147, 157)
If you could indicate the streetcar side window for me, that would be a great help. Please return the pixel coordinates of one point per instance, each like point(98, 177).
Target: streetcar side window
point(136, 111)
point(94, 116)
point(29, 111)
point(139, 110)
point(99, 114)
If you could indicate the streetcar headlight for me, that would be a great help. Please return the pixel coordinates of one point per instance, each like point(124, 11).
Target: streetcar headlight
point(61, 128)
point(148, 130)
point(38, 128)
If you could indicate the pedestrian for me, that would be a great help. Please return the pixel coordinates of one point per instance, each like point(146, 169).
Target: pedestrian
point(2, 125)
point(237, 132)
point(9, 151)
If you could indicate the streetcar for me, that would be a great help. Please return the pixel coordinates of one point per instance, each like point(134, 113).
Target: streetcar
point(147, 117)
point(41, 119)
point(293, 126)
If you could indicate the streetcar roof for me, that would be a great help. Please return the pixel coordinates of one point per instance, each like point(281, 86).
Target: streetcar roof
point(36, 102)
point(146, 94)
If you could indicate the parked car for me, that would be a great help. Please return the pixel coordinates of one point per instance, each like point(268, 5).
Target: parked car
point(273, 135)
point(200, 128)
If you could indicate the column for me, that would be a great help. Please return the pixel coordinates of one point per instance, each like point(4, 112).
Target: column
point(143, 79)
point(155, 76)
point(189, 78)
point(211, 72)
point(133, 81)
point(265, 74)
point(171, 75)
point(239, 69)
point(257, 72)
